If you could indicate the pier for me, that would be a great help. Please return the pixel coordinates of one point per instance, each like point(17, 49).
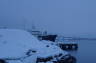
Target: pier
point(69, 46)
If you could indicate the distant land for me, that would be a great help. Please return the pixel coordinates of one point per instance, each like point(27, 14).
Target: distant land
point(78, 38)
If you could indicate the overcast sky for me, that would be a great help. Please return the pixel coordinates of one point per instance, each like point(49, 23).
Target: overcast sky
point(67, 17)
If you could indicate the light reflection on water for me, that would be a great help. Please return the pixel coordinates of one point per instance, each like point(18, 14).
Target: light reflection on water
point(86, 52)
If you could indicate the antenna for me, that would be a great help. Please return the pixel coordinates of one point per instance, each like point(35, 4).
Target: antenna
point(33, 25)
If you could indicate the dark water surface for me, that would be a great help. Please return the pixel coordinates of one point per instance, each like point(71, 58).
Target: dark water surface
point(86, 52)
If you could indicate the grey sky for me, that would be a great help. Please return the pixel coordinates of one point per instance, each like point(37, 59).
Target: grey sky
point(68, 17)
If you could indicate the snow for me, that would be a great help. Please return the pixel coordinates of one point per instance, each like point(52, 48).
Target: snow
point(53, 49)
point(15, 61)
point(68, 42)
point(16, 43)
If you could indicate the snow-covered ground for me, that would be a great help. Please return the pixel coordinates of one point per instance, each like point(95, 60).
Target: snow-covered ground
point(22, 46)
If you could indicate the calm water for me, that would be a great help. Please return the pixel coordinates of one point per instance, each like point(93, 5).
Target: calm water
point(86, 52)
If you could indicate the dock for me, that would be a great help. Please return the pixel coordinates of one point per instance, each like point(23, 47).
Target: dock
point(69, 46)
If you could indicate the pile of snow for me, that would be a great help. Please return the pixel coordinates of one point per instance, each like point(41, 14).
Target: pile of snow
point(50, 49)
point(16, 43)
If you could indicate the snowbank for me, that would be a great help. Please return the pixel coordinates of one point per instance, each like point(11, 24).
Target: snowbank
point(16, 43)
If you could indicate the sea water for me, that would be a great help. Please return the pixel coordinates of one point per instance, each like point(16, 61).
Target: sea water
point(86, 52)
